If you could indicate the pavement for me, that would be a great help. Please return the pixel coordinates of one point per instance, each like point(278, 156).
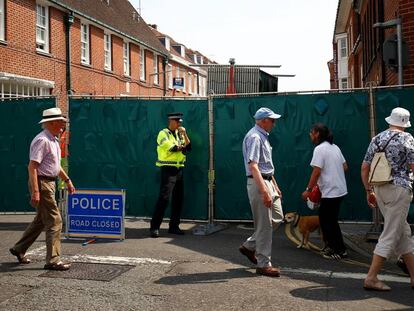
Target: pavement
point(194, 273)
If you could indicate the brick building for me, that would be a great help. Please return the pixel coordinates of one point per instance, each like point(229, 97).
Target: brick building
point(183, 63)
point(94, 47)
point(358, 47)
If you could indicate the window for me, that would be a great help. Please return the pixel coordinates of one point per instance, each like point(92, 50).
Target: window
point(85, 52)
point(142, 73)
point(108, 51)
point(344, 84)
point(155, 67)
point(126, 59)
point(170, 76)
point(343, 48)
point(2, 24)
point(190, 83)
point(42, 28)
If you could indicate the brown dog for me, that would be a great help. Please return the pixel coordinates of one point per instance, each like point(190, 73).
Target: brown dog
point(305, 224)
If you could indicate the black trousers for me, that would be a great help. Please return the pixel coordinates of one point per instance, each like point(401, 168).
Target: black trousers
point(328, 218)
point(171, 183)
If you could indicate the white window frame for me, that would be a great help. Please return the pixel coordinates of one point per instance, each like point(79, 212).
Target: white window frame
point(2, 20)
point(190, 83)
point(142, 69)
point(170, 76)
point(85, 44)
point(42, 26)
point(343, 48)
point(184, 83)
point(107, 51)
point(155, 69)
point(126, 58)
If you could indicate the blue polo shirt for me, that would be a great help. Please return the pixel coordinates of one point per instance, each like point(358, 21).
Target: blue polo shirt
point(256, 148)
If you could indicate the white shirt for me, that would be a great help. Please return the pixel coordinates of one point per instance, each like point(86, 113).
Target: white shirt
point(330, 160)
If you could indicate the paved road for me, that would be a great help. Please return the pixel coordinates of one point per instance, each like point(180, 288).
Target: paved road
point(191, 273)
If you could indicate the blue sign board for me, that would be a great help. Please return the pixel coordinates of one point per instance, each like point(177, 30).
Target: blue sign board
point(96, 214)
point(178, 83)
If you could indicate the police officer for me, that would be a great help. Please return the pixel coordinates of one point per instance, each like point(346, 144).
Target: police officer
point(173, 144)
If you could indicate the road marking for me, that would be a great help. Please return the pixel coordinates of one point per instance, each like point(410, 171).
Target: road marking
point(37, 251)
point(41, 252)
point(116, 260)
point(346, 275)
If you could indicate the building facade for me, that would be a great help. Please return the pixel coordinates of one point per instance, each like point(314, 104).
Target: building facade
point(61, 47)
point(182, 63)
point(367, 55)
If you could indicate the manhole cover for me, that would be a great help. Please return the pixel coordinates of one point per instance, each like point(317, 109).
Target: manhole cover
point(90, 271)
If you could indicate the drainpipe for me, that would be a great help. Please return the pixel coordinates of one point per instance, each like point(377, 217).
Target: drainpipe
point(69, 19)
point(164, 74)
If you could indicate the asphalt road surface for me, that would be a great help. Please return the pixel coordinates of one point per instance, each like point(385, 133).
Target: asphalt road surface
point(189, 273)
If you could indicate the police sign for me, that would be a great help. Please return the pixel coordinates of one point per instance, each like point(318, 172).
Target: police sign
point(96, 214)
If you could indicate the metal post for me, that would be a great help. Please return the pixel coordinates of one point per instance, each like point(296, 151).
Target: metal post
point(376, 229)
point(399, 48)
point(211, 227)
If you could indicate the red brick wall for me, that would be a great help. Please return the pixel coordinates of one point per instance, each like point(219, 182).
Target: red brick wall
point(390, 12)
point(407, 15)
point(19, 56)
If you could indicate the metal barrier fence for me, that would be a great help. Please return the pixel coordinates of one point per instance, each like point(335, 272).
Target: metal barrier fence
point(112, 145)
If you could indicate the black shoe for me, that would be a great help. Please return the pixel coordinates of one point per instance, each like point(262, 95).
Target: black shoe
point(154, 233)
point(401, 264)
point(329, 253)
point(177, 231)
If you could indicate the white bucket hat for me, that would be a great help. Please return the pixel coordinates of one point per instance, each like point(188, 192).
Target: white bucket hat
point(399, 117)
point(52, 114)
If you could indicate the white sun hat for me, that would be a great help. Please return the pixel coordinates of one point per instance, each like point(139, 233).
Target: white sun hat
point(52, 114)
point(399, 117)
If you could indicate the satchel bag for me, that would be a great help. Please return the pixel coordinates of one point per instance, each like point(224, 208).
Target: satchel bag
point(380, 169)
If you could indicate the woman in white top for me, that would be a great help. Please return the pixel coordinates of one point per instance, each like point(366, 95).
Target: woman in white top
point(329, 166)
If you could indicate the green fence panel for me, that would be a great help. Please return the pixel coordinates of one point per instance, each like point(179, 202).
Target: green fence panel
point(113, 145)
point(346, 114)
point(18, 126)
point(385, 101)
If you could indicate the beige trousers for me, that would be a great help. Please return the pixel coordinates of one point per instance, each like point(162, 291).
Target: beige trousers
point(265, 221)
point(394, 203)
point(47, 218)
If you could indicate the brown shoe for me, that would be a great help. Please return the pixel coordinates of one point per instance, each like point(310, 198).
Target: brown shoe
point(268, 271)
point(20, 257)
point(248, 253)
point(59, 266)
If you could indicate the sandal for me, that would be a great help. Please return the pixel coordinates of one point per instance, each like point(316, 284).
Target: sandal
point(377, 286)
point(59, 266)
point(21, 258)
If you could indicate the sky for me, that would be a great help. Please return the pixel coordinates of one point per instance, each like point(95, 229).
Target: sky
point(296, 34)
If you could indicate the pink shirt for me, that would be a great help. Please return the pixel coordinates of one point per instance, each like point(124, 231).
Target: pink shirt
point(45, 150)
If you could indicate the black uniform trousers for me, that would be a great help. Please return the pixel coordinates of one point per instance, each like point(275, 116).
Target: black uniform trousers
point(171, 183)
point(328, 218)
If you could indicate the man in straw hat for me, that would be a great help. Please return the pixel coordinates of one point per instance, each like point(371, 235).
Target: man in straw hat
point(44, 169)
point(392, 198)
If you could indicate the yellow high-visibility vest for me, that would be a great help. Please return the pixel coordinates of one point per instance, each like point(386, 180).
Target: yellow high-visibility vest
point(166, 141)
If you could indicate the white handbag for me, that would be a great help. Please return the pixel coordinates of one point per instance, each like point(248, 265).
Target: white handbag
point(380, 169)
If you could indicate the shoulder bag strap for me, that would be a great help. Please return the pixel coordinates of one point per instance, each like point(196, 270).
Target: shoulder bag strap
point(383, 148)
